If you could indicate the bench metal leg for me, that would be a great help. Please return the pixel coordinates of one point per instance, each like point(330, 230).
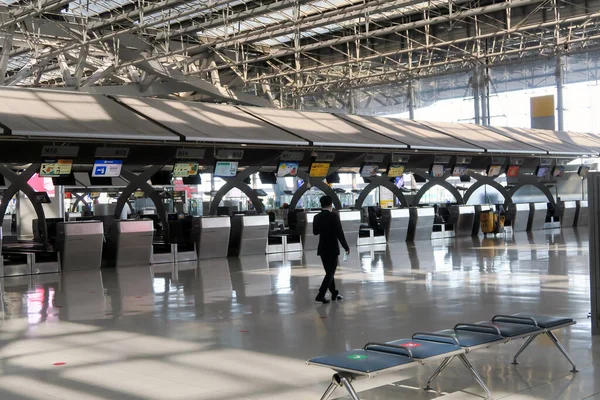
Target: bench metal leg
point(558, 344)
point(468, 365)
point(525, 345)
point(438, 371)
point(329, 391)
point(349, 388)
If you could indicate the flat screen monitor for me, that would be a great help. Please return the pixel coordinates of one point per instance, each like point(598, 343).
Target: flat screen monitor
point(260, 193)
point(183, 170)
point(465, 178)
point(419, 179)
point(333, 178)
point(2, 182)
point(541, 172)
point(395, 170)
point(437, 170)
point(513, 171)
point(96, 181)
point(161, 178)
point(192, 180)
point(287, 168)
point(267, 178)
point(399, 181)
point(107, 168)
point(42, 197)
point(583, 171)
point(494, 170)
point(558, 171)
point(226, 169)
point(52, 168)
point(319, 170)
point(67, 180)
point(459, 170)
point(369, 170)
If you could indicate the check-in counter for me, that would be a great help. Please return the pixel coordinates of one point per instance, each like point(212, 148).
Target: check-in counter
point(7, 225)
point(249, 235)
point(520, 216)
point(305, 229)
point(130, 242)
point(568, 214)
point(80, 245)
point(537, 216)
point(463, 219)
point(420, 225)
point(351, 226)
point(395, 223)
point(582, 213)
point(477, 221)
point(212, 238)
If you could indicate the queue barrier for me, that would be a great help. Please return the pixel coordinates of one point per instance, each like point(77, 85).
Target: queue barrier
point(446, 345)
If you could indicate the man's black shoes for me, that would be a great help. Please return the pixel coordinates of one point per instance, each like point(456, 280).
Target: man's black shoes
point(322, 300)
point(338, 297)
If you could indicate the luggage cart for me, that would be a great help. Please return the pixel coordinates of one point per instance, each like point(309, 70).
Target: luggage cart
point(491, 222)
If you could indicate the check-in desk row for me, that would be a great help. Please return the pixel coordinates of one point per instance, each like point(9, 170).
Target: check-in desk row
point(536, 216)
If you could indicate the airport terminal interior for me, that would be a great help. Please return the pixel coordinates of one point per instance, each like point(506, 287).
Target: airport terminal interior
point(162, 165)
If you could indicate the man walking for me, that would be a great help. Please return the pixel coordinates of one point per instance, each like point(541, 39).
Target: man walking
point(329, 228)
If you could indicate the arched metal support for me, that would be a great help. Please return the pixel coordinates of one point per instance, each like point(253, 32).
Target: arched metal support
point(538, 185)
point(382, 181)
point(486, 180)
point(80, 199)
point(18, 183)
point(141, 182)
point(238, 182)
point(318, 183)
point(431, 182)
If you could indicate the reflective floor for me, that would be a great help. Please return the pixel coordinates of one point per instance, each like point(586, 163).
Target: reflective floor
point(243, 328)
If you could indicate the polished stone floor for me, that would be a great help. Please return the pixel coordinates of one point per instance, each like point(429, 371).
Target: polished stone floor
point(243, 328)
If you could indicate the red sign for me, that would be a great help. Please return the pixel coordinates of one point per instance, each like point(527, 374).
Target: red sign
point(513, 171)
point(410, 344)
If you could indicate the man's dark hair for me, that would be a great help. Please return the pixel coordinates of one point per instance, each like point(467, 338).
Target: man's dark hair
point(326, 201)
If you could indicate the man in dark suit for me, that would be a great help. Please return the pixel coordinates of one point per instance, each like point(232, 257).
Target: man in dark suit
point(329, 228)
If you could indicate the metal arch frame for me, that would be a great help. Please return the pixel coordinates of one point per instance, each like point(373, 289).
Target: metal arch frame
point(325, 188)
point(80, 199)
point(237, 182)
point(486, 180)
point(431, 182)
point(538, 185)
point(141, 182)
point(378, 182)
point(18, 183)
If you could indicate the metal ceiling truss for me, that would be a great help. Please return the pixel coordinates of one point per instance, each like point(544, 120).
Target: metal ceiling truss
point(279, 52)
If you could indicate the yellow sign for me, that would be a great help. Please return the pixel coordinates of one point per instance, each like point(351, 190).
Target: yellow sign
point(139, 194)
point(542, 106)
point(183, 170)
point(396, 170)
point(319, 170)
point(56, 168)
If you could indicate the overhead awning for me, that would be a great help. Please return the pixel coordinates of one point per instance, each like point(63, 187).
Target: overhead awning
point(214, 123)
point(47, 113)
point(582, 139)
point(323, 129)
point(480, 136)
point(547, 140)
point(415, 135)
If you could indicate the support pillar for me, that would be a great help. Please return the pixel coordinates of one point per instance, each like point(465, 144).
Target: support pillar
point(560, 78)
point(476, 95)
point(411, 100)
point(593, 181)
point(485, 96)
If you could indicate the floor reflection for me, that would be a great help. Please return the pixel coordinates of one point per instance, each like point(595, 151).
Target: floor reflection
point(262, 308)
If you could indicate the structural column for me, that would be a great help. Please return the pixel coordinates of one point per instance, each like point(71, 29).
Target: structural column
point(476, 98)
point(411, 100)
point(593, 180)
point(560, 77)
